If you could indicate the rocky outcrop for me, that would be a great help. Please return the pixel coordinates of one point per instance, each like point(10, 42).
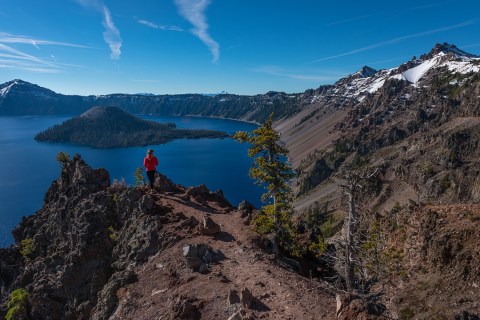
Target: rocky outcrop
point(84, 243)
point(101, 251)
point(202, 195)
point(446, 239)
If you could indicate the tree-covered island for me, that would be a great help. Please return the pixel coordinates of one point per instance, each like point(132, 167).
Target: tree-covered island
point(110, 127)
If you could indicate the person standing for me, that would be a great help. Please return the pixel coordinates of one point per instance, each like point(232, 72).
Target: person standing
point(150, 163)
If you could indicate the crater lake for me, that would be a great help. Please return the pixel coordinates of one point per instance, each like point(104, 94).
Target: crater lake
point(28, 167)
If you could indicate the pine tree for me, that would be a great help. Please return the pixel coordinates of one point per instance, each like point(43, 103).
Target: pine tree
point(139, 177)
point(272, 171)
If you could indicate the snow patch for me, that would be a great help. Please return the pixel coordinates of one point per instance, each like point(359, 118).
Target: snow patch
point(414, 74)
point(376, 85)
point(461, 66)
point(4, 91)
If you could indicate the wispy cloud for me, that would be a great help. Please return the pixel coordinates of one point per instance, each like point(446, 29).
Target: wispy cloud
point(17, 54)
point(26, 66)
point(194, 12)
point(159, 26)
point(13, 58)
point(234, 46)
point(16, 59)
point(111, 35)
point(399, 39)
point(281, 72)
point(10, 38)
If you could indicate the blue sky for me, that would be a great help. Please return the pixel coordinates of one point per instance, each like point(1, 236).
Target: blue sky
point(205, 46)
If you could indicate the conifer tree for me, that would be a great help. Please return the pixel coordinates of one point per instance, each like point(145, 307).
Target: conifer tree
point(272, 171)
point(139, 177)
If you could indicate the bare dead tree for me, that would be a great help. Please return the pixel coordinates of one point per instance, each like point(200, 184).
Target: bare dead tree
point(353, 179)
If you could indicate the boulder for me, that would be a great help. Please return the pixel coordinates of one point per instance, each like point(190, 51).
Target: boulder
point(208, 226)
point(199, 257)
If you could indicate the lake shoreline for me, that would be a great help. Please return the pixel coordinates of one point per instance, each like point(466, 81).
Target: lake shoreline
point(217, 163)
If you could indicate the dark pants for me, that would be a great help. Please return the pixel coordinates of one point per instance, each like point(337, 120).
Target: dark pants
point(151, 177)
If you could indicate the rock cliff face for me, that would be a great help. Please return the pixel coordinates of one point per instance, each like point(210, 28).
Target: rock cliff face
point(75, 251)
point(102, 251)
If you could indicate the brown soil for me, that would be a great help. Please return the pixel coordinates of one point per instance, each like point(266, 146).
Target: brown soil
point(165, 283)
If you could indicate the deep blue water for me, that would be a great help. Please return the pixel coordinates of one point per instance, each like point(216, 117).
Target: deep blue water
point(28, 167)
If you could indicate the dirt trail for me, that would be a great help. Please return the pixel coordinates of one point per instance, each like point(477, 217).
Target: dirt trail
point(165, 282)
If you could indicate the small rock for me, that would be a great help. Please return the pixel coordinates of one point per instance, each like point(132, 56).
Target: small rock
point(208, 226)
point(246, 298)
point(232, 297)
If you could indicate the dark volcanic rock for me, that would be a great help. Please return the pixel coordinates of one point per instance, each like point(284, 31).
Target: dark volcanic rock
point(84, 242)
point(208, 226)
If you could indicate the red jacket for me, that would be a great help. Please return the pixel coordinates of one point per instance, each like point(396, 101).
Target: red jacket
point(150, 164)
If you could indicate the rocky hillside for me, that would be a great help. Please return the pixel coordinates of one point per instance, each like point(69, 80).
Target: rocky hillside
point(391, 118)
point(109, 127)
point(106, 251)
point(419, 126)
point(18, 97)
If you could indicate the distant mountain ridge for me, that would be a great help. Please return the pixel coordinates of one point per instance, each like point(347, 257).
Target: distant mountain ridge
point(18, 97)
point(109, 127)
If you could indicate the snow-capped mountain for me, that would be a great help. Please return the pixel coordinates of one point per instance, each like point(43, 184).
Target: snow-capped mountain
point(17, 86)
point(20, 97)
point(442, 56)
point(430, 87)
